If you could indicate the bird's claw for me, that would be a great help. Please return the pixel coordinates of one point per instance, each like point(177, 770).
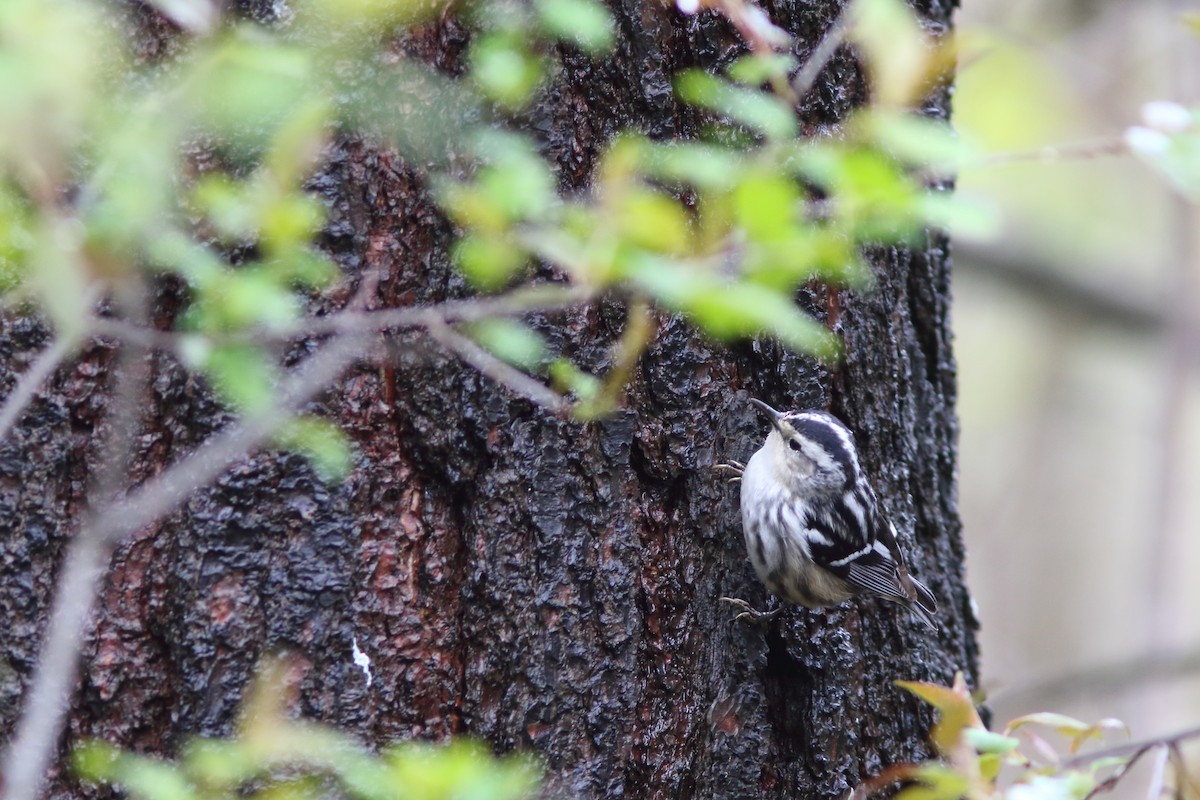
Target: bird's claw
point(750, 613)
point(736, 467)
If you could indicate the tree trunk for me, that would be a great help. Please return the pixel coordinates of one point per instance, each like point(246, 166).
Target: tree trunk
point(547, 585)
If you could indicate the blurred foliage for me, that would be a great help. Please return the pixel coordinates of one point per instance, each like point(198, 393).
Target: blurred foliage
point(113, 170)
point(275, 757)
point(980, 764)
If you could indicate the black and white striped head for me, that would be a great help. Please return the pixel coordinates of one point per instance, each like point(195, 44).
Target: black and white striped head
point(810, 450)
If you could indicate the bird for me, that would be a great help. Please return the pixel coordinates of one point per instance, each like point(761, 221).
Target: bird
point(814, 531)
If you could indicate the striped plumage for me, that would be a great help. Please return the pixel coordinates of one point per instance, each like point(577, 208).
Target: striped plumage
point(814, 531)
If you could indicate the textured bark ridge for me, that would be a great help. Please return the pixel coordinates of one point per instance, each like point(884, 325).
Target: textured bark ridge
point(547, 585)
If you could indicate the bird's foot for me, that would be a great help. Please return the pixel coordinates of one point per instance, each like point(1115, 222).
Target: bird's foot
point(736, 467)
point(750, 613)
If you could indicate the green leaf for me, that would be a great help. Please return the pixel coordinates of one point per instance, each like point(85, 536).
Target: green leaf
point(758, 111)
point(898, 58)
point(321, 441)
point(505, 70)
point(987, 742)
point(247, 85)
point(242, 376)
point(1067, 726)
point(299, 142)
point(759, 68)
point(17, 239)
point(958, 712)
point(701, 165)
point(913, 140)
point(95, 760)
point(765, 206)
point(489, 262)
point(566, 377)
point(809, 252)
point(143, 777)
point(510, 341)
point(302, 267)
point(585, 23)
point(653, 221)
point(936, 782)
point(289, 221)
point(223, 200)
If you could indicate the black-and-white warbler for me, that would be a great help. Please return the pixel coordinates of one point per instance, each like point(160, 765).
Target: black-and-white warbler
point(813, 528)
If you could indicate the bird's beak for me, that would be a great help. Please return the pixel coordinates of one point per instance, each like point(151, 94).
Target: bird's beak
point(775, 416)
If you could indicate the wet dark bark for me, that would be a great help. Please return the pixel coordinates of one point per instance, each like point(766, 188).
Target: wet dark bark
point(547, 585)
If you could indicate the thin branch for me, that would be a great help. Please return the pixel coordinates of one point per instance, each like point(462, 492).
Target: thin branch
point(1098, 148)
point(1155, 790)
point(29, 383)
point(822, 54)
point(1136, 748)
point(1112, 780)
point(32, 747)
point(542, 297)
point(499, 371)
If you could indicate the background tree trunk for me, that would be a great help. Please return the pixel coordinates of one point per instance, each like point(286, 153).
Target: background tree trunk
point(547, 585)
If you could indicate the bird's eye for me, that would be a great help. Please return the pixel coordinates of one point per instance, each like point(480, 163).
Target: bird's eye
point(795, 445)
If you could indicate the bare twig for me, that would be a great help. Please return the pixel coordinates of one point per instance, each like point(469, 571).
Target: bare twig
point(1136, 748)
point(1098, 148)
point(821, 55)
point(494, 368)
point(1155, 790)
point(542, 297)
point(32, 747)
point(27, 387)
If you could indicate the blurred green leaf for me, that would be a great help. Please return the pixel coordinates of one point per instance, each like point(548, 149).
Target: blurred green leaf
point(505, 70)
point(462, 769)
point(957, 710)
point(17, 238)
point(298, 142)
point(246, 86)
point(766, 205)
point(935, 781)
point(566, 377)
point(243, 377)
point(333, 17)
point(321, 441)
point(489, 262)
point(984, 741)
point(302, 267)
point(59, 276)
point(899, 59)
point(510, 341)
point(55, 68)
point(143, 777)
point(585, 23)
point(653, 221)
point(807, 252)
point(703, 166)
point(289, 221)
point(755, 69)
point(913, 140)
point(758, 111)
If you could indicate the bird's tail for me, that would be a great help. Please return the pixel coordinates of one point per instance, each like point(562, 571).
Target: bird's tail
point(923, 605)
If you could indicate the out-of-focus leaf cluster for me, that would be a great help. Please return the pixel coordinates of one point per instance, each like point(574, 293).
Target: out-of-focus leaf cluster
point(196, 168)
point(273, 757)
point(973, 757)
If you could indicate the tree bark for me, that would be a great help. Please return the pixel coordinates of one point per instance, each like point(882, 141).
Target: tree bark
point(547, 585)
